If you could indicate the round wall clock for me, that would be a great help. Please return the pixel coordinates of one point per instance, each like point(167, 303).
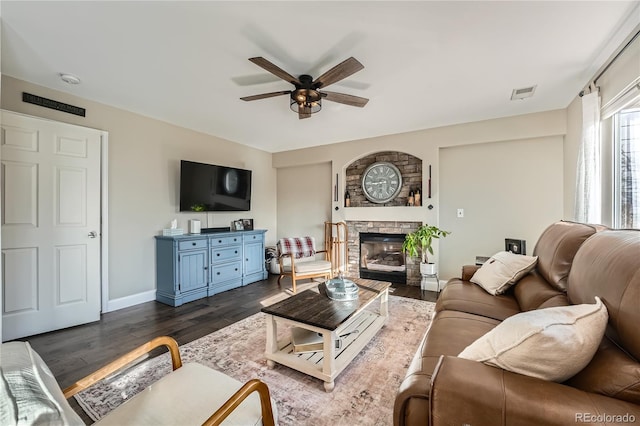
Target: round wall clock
point(381, 182)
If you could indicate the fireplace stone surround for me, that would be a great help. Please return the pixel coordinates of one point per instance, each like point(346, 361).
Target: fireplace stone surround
point(354, 228)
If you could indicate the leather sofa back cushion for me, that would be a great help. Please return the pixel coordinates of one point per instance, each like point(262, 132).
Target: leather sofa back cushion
point(550, 344)
point(534, 292)
point(620, 382)
point(608, 265)
point(556, 249)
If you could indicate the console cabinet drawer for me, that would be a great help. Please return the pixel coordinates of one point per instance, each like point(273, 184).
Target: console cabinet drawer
point(254, 238)
point(192, 244)
point(228, 271)
point(226, 253)
point(225, 241)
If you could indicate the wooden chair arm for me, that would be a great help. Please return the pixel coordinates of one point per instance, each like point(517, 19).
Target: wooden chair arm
point(123, 361)
point(232, 403)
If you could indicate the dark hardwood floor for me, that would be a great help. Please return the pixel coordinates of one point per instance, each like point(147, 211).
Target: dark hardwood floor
point(74, 352)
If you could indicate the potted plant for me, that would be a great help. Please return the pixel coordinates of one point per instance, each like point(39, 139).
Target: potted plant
point(418, 243)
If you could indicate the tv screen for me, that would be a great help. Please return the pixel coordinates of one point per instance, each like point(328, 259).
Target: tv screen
point(207, 187)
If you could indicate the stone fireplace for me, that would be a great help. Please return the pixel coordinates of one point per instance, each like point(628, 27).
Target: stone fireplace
point(382, 230)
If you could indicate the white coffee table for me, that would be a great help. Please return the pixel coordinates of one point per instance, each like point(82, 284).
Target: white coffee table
point(316, 312)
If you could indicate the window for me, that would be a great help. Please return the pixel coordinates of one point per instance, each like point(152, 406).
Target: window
point(627, 168)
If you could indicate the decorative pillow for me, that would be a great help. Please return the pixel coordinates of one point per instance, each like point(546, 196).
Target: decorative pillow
point(550, 344)
point(29, 393)
point(503, 270)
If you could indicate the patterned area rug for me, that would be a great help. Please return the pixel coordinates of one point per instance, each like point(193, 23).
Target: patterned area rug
point(364, 392)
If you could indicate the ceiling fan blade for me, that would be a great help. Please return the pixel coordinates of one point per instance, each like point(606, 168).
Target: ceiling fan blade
point(343, 98)
point(304, 112)
point(266, 95)
point(337, 73)
point(274, 69)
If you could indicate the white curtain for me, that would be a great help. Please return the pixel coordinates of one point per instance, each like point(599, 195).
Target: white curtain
point(588, 183)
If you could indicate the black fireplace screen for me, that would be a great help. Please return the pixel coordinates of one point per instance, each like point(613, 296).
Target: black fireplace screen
point(381, 257)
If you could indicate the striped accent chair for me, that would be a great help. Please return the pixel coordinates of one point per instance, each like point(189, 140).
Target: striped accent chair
point(303, 262)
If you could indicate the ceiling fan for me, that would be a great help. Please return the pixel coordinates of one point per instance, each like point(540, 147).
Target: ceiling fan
point(307, 96)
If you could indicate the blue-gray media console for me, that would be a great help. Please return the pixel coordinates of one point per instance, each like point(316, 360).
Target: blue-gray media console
point(190, 267)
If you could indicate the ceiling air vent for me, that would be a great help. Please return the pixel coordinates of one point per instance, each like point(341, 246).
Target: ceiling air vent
point(525, 92)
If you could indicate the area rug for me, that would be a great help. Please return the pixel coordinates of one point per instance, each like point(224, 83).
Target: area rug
point(364, 392)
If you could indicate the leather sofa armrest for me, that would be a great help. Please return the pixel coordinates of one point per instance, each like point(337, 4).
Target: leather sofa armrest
point(468, 271)
point(469, 392)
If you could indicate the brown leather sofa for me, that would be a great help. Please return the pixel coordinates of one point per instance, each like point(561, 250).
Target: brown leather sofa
point(589, 261)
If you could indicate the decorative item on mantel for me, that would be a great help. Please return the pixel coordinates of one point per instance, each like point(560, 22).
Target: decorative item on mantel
point(416, 198)
point(173, 230)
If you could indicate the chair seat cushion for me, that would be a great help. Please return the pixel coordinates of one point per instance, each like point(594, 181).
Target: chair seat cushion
point(311, 267)
point(188, 395)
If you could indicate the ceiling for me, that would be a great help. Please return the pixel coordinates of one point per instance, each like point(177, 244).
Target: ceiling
point(427, 64)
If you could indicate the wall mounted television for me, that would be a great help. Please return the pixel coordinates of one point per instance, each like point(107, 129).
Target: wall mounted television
point(212, 188)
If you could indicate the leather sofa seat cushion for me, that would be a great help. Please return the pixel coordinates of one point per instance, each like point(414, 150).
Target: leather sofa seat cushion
point(556, 248)
point(449, 333)
point(550, 344)
point(463, 296)
point(621, 382)
point(534, 292)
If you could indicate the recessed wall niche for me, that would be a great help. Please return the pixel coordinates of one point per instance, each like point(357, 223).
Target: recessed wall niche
point(409, 165)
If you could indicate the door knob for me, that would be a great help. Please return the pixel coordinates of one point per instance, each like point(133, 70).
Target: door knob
point(93, 234)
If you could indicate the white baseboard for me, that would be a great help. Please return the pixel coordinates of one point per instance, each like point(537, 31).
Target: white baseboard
point(134, 299)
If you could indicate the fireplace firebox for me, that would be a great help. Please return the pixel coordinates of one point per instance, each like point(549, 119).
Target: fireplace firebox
point(381, 257)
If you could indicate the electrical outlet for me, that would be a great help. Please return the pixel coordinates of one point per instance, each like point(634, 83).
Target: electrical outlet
point(460, 212)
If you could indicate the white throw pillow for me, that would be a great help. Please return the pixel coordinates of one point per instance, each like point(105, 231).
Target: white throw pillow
point(551, 344)
point(503, 270)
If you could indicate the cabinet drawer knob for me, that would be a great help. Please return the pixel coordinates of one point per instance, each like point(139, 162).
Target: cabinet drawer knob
point(219, 241)
point(217, 254)
point(235, 239)
point(254, 237)
point(236, 269)
point(193, 244)
point(218, 273)
point(236, 252)
point(206, 267)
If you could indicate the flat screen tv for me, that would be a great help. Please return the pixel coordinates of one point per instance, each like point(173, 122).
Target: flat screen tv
point(212, 188)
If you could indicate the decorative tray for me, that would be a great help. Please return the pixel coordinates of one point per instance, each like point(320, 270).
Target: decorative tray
point(341, 289)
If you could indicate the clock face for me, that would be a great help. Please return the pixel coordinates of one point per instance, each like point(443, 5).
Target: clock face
point(381, 182)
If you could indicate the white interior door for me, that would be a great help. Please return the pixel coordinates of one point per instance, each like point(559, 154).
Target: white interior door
point(50, 225)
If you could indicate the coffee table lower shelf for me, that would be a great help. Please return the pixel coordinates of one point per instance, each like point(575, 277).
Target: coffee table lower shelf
point(357, 333)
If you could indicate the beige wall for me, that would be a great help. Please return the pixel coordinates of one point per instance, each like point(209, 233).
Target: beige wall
point(300, 188)
point(144, 162)
point(425, 144)
point(510, 189)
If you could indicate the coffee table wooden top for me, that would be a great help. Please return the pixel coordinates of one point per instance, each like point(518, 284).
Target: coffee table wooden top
point(309, 307)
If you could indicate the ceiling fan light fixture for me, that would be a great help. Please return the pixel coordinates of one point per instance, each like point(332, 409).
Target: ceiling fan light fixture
point(309, 99)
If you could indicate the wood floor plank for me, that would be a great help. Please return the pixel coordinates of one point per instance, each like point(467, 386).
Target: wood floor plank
point(74, 352)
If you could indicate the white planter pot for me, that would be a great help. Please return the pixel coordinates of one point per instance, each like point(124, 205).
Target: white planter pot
point(428, 269)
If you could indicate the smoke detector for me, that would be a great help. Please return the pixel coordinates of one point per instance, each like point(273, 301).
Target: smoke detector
point(525, 92)
point(69, 78)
